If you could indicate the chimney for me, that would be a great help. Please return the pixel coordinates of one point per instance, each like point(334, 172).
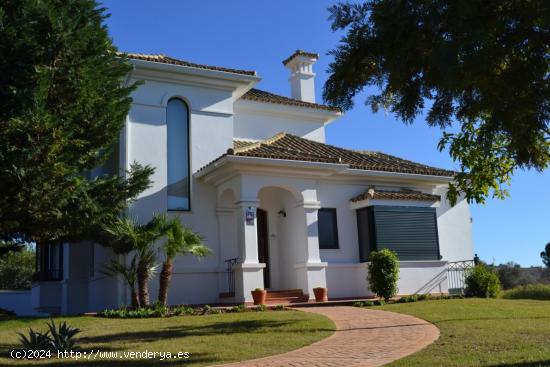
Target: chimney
point(302, 77)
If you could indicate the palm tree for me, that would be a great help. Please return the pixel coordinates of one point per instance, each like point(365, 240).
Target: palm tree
point(128, 272)
point(125, 235)
point(179, 240)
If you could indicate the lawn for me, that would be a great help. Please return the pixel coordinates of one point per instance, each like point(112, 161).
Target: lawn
point(209, 339)
point(482, 332)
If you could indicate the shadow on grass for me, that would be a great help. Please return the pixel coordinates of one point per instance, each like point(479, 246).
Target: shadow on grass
point(507, 318)
point(236, 327)
point(203, 358)
point(523, 364)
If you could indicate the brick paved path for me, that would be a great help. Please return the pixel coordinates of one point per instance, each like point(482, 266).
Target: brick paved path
point(363, 338)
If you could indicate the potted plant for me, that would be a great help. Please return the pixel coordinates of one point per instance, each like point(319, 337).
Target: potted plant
point(321, 294)
point(259, 296)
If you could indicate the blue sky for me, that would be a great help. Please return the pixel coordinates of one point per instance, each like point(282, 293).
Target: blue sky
point(258, 35)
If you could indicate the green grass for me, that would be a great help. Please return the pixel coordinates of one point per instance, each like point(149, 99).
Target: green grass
point(210, 339)
point(482, 332)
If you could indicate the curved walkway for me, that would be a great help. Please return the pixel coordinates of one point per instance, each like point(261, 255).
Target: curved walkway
point(363, 338)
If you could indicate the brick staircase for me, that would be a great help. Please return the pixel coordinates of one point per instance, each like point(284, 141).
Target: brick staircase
point(286, 297)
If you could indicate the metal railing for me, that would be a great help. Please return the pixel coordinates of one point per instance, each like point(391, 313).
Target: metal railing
point(231, 276)
point(456, 275)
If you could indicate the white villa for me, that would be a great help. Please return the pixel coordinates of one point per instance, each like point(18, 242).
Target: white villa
point(279, 208)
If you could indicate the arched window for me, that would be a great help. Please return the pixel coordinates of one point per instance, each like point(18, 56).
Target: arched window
point(177, 121)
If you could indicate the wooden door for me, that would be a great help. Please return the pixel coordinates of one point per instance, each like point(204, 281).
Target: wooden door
point(263, 244)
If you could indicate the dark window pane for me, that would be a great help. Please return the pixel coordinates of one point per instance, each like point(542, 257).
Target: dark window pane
point(328, 228)
point(178, 155)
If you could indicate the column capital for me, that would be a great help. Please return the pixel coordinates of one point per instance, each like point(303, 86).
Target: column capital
point(246, 202)
point(224, 211)
point(309, 205)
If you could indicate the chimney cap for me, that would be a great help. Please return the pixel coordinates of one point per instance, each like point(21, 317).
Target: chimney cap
point(297, 53)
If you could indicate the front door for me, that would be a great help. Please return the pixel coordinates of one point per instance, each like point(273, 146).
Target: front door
point(263, 244)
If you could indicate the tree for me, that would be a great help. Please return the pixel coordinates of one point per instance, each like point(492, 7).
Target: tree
point(180, 240)
point(64, 101)
point(545, 255)
point(17, 268)
point(125, 235)
point(512, 275)
point(383, 273)
point(129, 273)
point(481, 63)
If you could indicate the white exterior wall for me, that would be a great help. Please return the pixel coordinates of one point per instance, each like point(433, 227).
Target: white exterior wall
point(260, 121)
point(218, 214)
point(346, 276)
point(211, 134)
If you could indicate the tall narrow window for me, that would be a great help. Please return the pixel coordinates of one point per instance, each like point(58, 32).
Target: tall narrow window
point(177, 121)
point(328, 228)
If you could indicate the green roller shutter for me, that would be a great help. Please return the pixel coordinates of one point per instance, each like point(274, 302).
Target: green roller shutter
point(409, 231)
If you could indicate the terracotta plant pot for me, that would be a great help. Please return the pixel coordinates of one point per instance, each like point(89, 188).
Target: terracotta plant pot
point(321, 294)
point(259, 296)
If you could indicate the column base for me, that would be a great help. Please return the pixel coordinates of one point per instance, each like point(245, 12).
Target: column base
point(247, 278)
point(311, 275)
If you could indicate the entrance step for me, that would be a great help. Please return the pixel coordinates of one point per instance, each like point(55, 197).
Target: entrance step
point(285, 297)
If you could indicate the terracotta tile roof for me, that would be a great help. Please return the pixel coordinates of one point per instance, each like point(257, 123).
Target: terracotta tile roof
point(263, 96)
point(403, 194)
point(163, 59)
point(290, 147)
point(300, 53)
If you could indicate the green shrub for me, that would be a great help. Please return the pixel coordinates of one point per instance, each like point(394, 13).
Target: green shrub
point(238, 308)
point(383, 273)
point(261, 308)
point(16, 269)
point(369, 303)
point(424, 297)
point(407, 299)
point(279, 308)
point(60, 337)
point(183, 310)
point(531, 291)
point(482, 282)
point(358, 304)
point(379, 302)
point(35, 340)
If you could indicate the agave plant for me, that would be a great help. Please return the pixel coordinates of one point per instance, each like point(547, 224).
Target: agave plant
point(35, 340)
point(62, 336)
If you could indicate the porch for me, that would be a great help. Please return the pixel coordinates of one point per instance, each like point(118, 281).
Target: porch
point(268, 231)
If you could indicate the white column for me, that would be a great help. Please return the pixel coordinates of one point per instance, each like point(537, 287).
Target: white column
point(248, 233)
point(249, 273)
point(311, 273)
point(312, 246)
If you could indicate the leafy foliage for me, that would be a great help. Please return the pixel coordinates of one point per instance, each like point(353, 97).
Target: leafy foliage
point(512, 275)
point(545, 255)
point(124, 235)
point(35, 340)
point(59, 337)
point(530, 291)
point(482, 64)
point(383, 273)
point(16, 269)
point(128, 272)
point(178, 240)
point(7, 247)
point(62, 336)
point(64, 101)
point(482, 282)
